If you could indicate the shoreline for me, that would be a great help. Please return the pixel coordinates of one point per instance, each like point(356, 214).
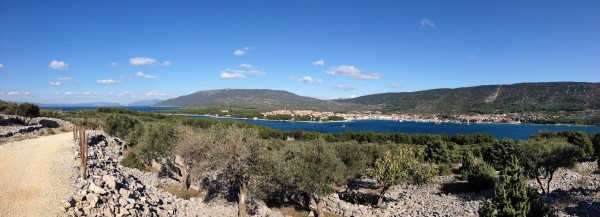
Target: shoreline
point(344, 121)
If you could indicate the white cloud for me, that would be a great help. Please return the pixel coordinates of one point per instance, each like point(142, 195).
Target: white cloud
point(239, 52)
point(113, 64)
point(167, 63)
point(154, 94)
point(1, 65)
point(427, 23)
point(142, 75)
point(319, 63)
point(395, 85)
point(343, 87)
point(353, 72)
point(244, 65)
point(309, 80)
point(13, 93)
point(58, 65)
point(57, 93)
point(142, 61)
point(291, 77)
point(108, 81)
point(55, 83)
point(26, 93)
point(228, 74)
point(65, 78)
point(243, 51)
point(76, 93)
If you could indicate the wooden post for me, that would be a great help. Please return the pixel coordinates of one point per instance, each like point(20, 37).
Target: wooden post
point(85, 156)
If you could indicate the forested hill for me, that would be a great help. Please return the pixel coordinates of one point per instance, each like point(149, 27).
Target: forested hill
point(262, 99)
point(522, 97)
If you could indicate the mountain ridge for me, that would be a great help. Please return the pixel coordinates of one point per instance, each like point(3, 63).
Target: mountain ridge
point(519, 97)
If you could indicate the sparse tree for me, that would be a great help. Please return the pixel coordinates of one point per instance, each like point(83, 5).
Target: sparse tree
point(405, 166)
point(542, 157)
point(234, 154)
point(28, 111)
point(190, 153)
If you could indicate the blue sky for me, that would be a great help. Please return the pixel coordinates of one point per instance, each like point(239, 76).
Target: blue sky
point(124, 51)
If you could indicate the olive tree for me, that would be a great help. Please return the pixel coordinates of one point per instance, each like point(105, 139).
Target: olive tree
point(28, 111)
point(190, 154)
point(234, 155)
point(301, 169)
point(542, 157)
point(404, 166)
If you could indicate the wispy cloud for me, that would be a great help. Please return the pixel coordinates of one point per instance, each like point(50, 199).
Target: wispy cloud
point(309, 80)
point(241, 71)
point(155, 94)
point(142, 75)
point(343, 87)
point(108, 81)
point(122, 94)
point(13, 93)
point(427, 23)
point(1, 65)
point(319, 63)
point(231, 74)
point(55, 83)
point(65, 78)
point(113, 64)
point(142, 61)
point(78, 93)
point(58, 65)
point(243, 51)
point(244, 65)
point(167, 63)
point(352, 72)
point(395, 85)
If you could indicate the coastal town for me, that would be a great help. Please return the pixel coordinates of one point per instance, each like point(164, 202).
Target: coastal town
point(377, 115)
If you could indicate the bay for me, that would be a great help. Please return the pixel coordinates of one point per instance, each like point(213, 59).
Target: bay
point(512, 131)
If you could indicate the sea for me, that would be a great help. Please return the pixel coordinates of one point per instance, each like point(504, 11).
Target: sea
point(500, 131)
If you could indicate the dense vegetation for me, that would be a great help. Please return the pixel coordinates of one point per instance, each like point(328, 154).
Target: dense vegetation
point(25, 110)
point(515, 98)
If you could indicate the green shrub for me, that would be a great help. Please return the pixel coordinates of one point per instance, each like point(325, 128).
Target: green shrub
point(132, 161)
point(444, 169)
point(482, 176)
point(437, 152)
point(500, 153)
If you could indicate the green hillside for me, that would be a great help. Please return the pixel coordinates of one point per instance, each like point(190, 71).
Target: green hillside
point(260, 99)
point(523, 97)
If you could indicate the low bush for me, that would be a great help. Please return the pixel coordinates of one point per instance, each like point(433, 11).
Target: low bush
point(132, 161)
point(481, 176)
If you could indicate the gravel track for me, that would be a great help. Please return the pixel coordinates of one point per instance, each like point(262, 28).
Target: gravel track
point(35, 175)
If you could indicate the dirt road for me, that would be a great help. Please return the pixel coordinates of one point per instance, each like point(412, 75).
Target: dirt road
point(35, 175)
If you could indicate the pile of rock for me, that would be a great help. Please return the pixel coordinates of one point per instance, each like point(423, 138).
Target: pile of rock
point(113, 190)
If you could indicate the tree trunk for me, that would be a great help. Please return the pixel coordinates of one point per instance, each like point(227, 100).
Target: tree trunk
point(243, 189)
point(548, 183)
point(319, 206)
point(537, 177)
point(381, 195)
point(184, 177)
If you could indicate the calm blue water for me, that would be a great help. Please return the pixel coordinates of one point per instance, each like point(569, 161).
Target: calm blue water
point(513, 131)
point(133, 108)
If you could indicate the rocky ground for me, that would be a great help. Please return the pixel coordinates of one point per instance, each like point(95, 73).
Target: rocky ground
point(113, 190)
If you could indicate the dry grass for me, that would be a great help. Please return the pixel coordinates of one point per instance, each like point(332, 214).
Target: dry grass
point(183, 194)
